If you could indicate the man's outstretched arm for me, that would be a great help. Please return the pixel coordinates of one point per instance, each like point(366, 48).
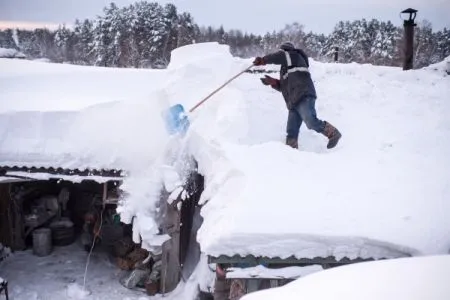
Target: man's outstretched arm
point(276, 58)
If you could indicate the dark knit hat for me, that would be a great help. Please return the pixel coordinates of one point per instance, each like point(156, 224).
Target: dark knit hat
point(287, 46)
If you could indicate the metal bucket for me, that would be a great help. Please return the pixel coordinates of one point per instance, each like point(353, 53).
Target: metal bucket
point(42, 241)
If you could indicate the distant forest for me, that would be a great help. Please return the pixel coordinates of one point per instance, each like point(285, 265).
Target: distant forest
point(143, 34)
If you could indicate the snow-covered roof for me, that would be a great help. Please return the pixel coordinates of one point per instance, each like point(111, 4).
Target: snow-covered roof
point(382, 192)
point(77, 117)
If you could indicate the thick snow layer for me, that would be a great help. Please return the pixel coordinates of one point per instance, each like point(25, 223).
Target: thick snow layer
point(382, 192)
point(103, 136)
point(39, 86)
point(396, 279)
point(198, 55)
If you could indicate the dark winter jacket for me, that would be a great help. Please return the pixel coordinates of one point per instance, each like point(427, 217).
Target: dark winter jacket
point(296, 84)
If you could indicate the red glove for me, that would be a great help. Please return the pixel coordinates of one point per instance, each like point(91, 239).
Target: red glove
point(270, 81)
point(259, 61)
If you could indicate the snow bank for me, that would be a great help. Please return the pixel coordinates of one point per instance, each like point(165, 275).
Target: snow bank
point(441, 67)
point(396, 279)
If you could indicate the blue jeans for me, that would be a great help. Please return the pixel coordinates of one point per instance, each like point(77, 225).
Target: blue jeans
point(305, 111)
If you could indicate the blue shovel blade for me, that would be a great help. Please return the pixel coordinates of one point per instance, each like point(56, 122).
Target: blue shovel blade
point(176, 119)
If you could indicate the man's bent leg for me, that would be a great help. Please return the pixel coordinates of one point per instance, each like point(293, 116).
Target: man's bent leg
point(307, 111)
point(294, 122)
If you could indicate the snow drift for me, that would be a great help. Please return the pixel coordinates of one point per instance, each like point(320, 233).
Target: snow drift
point(442, 67)
point(395, 279)
point(382, 192)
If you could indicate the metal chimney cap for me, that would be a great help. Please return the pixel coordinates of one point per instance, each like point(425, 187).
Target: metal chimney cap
point(409, 11)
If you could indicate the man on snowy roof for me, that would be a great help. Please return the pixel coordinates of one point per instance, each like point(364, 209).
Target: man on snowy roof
point(299, 93)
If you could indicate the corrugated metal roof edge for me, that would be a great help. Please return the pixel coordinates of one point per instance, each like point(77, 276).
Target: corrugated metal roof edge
point(63, 171)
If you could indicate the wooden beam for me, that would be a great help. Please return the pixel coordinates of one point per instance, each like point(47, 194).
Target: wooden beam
point(105, 192)
point(6, 230)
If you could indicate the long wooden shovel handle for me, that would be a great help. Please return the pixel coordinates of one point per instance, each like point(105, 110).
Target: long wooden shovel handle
point(219, 88)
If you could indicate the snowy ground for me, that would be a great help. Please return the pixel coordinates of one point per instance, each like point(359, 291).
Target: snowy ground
point(61, 276)
point(382, 192)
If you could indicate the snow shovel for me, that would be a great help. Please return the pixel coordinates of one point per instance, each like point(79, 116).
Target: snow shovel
point(176, 117)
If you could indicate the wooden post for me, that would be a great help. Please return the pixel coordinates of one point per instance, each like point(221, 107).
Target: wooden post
point(170, 269)
point(177, 222)
point(336, 54)
point(105, 193)
point(18, 224)
point(6, 228)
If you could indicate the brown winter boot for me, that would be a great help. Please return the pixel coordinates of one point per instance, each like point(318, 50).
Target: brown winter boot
point(332, 134)
point(292, 142)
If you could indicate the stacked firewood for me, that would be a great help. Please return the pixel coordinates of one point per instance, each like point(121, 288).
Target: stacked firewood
point(128, 254)
point(144, 267)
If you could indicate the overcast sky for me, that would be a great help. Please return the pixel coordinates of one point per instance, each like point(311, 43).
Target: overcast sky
point(257, 16)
